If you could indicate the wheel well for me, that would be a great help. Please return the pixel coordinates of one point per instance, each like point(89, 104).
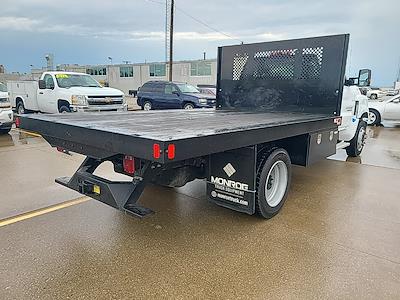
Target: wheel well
point(364, 115)
point(18, 100)
point(62, 102)
point(375, 110)
point(186, 102)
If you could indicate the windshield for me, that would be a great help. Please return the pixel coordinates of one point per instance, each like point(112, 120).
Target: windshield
point(69, 80)
point(187, 88)
point(3, 87)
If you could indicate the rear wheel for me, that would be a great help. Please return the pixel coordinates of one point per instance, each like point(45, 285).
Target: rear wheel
point(273, 181)
point(188, 106)
point(147, 105)
point(358, 141)
point(21, 108)
point(374, 117)
point(374, 96)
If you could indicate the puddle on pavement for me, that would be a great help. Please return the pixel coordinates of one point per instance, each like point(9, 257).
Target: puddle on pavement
point(15, 138)
point(382, 147)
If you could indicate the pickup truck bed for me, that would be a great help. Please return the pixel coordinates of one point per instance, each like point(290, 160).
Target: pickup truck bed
point(194, 133)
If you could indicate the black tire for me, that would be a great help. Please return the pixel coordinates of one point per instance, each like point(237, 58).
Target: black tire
point(64, 109)
point(355, 149)
point(268, 160)
point(148, 105)
point(188, 106)
point(377, 119)
point(21, 108)
point(374, 96)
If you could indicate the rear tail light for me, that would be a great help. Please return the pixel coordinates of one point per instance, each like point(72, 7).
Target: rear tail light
point(129, 164)
point(171, 151)
point(17, 122)
point(156, 151)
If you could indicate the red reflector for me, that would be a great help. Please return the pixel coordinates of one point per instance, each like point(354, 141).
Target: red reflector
point(17, 122)
point(156, 151)
point(171, 151)
point(129, 164)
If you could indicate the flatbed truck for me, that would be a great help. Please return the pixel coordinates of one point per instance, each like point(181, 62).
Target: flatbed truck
point(278, 104)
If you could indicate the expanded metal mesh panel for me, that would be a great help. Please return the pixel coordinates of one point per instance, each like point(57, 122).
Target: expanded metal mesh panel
point(275, 64)
point(239, 61)
point(311, 63)
point(304, 75)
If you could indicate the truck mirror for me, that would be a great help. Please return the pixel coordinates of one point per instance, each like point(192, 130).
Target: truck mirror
point(42, 85)
point(364, 77)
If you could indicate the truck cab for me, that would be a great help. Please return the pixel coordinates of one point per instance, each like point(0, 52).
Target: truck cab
point(62, 92)
point(354, 113)
point(6, 114)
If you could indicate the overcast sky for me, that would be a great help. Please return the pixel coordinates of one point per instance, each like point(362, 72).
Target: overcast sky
point(88, 31)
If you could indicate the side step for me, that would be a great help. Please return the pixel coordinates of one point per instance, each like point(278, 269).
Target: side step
point(342, 145)
point(121, 195)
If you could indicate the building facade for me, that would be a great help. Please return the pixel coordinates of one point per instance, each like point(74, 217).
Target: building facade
point(129, 77)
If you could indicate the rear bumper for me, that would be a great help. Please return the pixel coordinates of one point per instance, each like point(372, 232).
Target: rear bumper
point(6, 118)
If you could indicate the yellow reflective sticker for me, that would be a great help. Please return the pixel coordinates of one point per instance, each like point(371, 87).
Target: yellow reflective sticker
point(62, 76)
point(96, 189)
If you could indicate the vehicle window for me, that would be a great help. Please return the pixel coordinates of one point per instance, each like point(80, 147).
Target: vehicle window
point(48, 80)
point(146, 87)
point(187, 88)
point(3, 87)
point(70, 80)
point(170, 88)
point(158, 87)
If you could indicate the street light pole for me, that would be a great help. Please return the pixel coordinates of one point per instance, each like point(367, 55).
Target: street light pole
point(171, 39)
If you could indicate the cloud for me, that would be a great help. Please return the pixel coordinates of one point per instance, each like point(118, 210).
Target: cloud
point(18, 23)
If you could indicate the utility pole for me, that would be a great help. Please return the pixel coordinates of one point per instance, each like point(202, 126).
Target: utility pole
point(171, 39)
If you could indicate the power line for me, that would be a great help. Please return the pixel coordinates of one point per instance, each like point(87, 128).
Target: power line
point(206, 25)
point(197, 20)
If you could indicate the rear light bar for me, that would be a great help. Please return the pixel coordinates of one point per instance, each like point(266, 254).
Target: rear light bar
point(129, 164)
point(17, 122)
point(170, 151)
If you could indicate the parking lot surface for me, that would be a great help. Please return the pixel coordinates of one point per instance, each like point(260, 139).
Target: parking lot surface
point(337, 236)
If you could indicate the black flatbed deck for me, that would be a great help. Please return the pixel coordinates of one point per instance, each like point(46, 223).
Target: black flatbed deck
point(194, 133)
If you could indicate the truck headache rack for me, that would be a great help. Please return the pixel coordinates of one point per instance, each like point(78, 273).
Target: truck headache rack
point(302, 75)
point(278, 103)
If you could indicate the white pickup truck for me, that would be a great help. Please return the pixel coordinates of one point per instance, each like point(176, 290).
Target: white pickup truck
point(61, 92)
point(6, 114)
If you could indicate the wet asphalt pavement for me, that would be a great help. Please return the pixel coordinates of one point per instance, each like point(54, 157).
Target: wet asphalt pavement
point(338, 235)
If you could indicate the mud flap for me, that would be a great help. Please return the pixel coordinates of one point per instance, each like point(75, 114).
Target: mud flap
point(231, 179)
